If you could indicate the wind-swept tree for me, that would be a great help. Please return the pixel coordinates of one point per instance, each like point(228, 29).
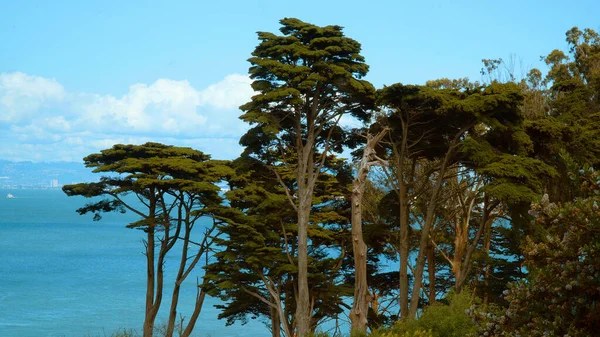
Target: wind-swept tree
point(173, 187)
point(305, 81)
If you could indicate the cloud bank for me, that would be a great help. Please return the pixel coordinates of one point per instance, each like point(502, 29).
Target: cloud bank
point(40, 120)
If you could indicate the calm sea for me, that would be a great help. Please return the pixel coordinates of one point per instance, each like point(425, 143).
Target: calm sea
point(61, 274)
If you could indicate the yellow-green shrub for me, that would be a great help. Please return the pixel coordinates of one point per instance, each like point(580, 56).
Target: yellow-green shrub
point(441, 320)
point(416, 333)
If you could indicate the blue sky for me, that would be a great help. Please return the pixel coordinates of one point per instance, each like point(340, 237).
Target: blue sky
point(79, 76)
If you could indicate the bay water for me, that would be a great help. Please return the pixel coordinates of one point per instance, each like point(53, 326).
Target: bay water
point(62, 274)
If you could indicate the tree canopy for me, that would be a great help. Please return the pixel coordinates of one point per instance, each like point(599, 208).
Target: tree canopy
point(466, 203)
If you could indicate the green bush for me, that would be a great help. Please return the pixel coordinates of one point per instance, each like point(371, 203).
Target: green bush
point(416, 333)
point(440, 320)
point(319, 334)
point(561, 293)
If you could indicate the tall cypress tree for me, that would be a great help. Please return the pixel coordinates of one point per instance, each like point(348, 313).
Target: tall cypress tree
point(305, 80)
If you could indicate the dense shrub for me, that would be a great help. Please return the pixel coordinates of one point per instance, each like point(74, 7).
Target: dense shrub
point(561, 294)
point(417, 333)
point(440, 320)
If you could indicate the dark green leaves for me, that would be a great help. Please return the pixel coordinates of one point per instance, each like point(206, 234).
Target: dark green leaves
point(151, 171)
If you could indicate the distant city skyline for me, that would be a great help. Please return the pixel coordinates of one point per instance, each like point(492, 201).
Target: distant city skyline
point(15, 175)
point(78, 77)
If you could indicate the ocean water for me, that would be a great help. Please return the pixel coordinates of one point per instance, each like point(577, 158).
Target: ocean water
point(62, 274)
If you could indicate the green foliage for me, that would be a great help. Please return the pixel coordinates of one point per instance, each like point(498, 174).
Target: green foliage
point(416, 333)
point(259, 244)
point(440, 320)
point(318, 334)
point(518, 139)
point(150, 171)
point(561, 292)
point(571, 117)
point(444, 320)
point(309, 73)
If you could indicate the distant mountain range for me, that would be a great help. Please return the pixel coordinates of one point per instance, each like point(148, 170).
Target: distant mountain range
point(43, 175)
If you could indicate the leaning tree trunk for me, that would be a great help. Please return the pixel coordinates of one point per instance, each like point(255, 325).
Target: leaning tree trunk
point(360, 307)
point(200, 295)
point(431, 270)
point(425, 236)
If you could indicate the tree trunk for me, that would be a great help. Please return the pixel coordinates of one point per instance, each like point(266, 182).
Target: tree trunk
point(275, 323)
point(375, 304)
point(425, 236)
point(460, 247)
point(404, 244)
point(176, 288)
point(420, 267)
point(148, 321)
point(467, 250)
point(431, 270)
point(404, 249)
point(303, 301)
point(486, 276)
point(200, 295)
point(358, 314)
point(360, 307)
point(150, 314)
point(173, 310)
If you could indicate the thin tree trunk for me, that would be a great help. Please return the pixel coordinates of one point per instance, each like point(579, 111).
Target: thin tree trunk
point(148, 321)
point(404, 244)
point(486, 275)
point(176, 288)
point(182, 264)
point(431, 276)
point(466, 264)
point(425, 236)
point(404, 251)
point(420, 267)
point(160, 277)
point(460, 247)
point(360, 307)
point(275, 324)
point(375, 304)
point(149, 316)
point(200, 295)
point(428, 224)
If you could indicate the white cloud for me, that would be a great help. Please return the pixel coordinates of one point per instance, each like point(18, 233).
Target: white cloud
point(348, 121)
point(166, 106)
point(230, 93)
point(22, 95)
point(41, 121)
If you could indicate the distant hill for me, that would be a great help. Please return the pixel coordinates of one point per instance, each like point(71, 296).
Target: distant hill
point(43, 175)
